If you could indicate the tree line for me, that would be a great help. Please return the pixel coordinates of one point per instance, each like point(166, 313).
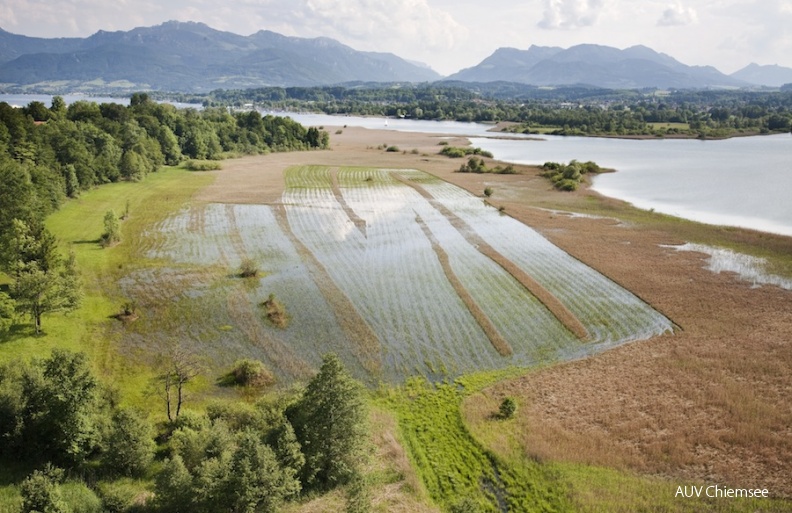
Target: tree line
point(58, 419)
point(565, 111)
point(48, 154)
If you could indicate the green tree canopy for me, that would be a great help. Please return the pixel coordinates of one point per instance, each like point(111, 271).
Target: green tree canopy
point(329, 422)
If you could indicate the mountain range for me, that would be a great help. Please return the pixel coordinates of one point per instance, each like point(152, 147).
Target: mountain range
point(601, 66)
point(192, 57)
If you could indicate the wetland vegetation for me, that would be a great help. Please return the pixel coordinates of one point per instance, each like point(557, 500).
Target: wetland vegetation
point(415, 284)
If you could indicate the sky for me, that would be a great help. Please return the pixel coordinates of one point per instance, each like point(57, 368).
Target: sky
point(450, 35)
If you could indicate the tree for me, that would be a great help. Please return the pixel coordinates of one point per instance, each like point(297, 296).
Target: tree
point(508, 408)
point(179, 367)
point(7, 308)
point(329, 422)
point(60, 401)
point(43, 282)
point(112, 229)
point(173, 487)
point(130, 446)
point(256, 483)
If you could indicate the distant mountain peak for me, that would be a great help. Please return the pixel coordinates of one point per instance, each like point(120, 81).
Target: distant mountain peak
point(768, 75)
point(192, 56)
point(596, 65)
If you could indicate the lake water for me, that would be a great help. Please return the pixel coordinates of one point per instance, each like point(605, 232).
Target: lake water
point(744, 181)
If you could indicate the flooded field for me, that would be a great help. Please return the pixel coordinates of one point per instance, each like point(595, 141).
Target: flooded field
point(395, 270)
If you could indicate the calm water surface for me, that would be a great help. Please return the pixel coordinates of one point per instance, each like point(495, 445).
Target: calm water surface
point(745, 181)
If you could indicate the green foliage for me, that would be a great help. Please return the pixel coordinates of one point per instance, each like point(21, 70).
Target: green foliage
point(7, 309)
point(393, 149)
point(202, 165)
point(43, 282)
point(130, 444)
point(41, 492)
point(60, 400)
point(567, 177)
point(488, 191)
point(81, 499)
point(456, 152)
point(216, 469)
point(329, 421)
point(112, 229)
point(508, 408)
point(173, 487)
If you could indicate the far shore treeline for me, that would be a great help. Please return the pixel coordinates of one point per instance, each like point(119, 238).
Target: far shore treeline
point(569, 110)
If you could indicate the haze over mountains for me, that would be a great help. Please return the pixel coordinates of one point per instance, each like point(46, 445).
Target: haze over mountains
point(192, 57)
point(181, 56)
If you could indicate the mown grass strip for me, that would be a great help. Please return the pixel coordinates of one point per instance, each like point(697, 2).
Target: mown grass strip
point(358, 221)
point(349, 319)
point(498, 342)
point(454, 467)
point(552, 303)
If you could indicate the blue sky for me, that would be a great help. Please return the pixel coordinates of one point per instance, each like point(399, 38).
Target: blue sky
point(453, 34)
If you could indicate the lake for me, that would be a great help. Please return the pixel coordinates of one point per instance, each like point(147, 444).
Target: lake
point(744, 181)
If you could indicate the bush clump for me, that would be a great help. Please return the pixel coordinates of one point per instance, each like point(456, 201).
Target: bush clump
point(248, 268)
point(567, 177)
point(456, 152)
point(276, 312)
point(202, 165)
point(250, 373)
point(508, 408)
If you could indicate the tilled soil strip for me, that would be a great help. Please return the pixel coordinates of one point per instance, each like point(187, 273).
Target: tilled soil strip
point(498, 342)
point(552, 303)
point(349, 319)
point(356, 219)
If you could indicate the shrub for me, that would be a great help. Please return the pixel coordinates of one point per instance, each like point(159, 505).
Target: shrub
point(252, 373)
point(508, 408)
point(202, 165)
point(393, 149)
point(276, 312)
point(80, 498)
point(488, 191)
point(41, 492)
point(130, 446)
point(248, 268)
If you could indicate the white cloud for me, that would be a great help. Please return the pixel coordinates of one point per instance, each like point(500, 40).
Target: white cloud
point(376, 23)
point(569, 14)
point(677, 15)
